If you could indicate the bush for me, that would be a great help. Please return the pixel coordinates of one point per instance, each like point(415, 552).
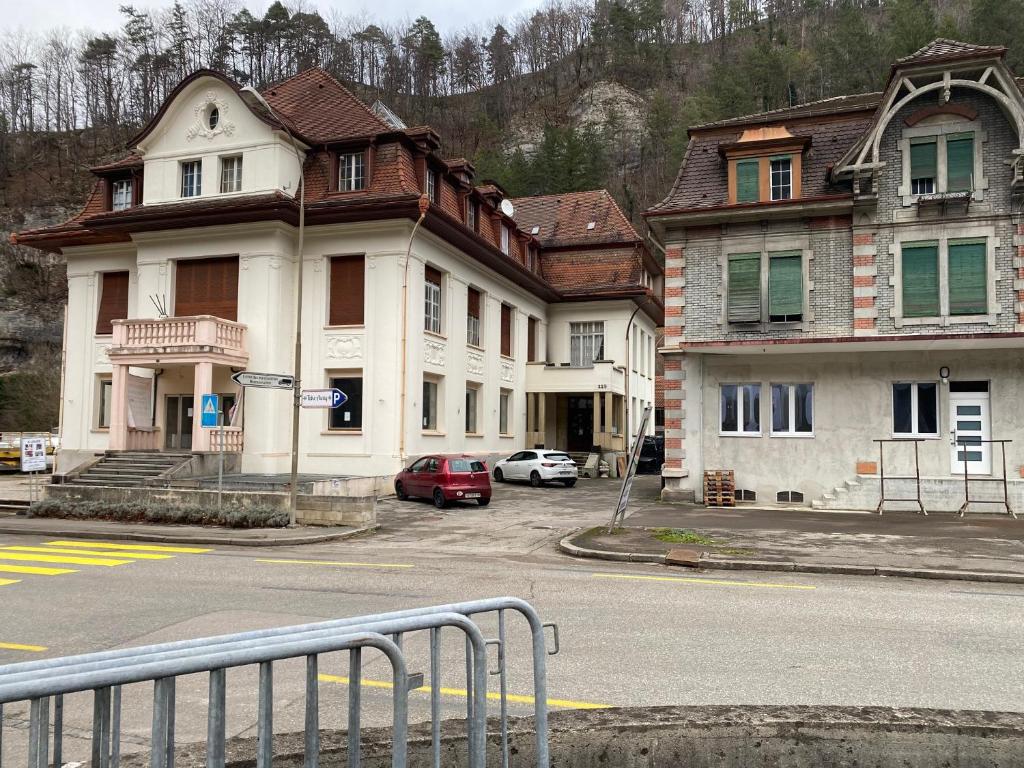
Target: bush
point(138, 512)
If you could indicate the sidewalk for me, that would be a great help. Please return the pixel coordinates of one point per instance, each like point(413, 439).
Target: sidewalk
point(941, 545)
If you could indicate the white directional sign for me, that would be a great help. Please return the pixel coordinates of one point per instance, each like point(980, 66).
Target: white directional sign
point(264, 380)
point(322, 398)
point(33, 454)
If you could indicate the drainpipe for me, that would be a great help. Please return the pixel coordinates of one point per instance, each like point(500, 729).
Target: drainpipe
point(625, 399)
point(424, 206)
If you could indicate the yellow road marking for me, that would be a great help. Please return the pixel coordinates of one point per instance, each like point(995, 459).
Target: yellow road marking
point(713, 582)
point(68, 559)
point(461, 692)
point(137, 547)
point(20, 647)
point(5, 582)
point(341, 564)
point(38, 570)
point(97, 553)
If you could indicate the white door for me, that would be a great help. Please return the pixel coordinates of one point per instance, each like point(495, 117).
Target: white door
point(969, 426)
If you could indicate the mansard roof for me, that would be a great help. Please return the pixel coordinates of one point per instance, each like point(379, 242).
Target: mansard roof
point(574, 218)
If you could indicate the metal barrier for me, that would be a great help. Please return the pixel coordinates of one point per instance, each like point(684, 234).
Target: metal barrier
point(966, 442)
point(917, 475)
point(15, 677)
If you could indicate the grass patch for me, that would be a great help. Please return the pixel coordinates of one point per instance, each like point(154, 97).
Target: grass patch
point(682, 536)
point(226, 517)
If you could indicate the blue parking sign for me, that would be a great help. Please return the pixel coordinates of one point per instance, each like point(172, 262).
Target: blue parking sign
point(210, 409)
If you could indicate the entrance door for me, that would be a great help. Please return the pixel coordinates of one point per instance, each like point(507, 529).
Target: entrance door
point(178, 422)
point(969, 426)
point(581, 424)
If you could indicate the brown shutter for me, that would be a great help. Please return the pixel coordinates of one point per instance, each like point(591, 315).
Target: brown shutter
point(347, 291)
point(433, 275)
point(531, 341)
point(113, 301)
point(207, 287)
point(473, 299)
point(506, 330)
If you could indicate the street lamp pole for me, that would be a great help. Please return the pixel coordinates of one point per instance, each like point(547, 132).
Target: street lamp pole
point(252, 96)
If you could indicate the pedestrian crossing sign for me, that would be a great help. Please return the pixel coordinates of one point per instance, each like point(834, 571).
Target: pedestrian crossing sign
point(210, 409)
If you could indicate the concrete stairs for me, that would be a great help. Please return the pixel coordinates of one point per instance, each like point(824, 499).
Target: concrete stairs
point(128, 469)
point(859, 493)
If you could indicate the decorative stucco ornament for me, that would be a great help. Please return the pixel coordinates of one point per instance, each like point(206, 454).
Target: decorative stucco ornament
point(203, 126)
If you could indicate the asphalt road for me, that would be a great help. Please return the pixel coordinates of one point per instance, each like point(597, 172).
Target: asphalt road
point(630, 634)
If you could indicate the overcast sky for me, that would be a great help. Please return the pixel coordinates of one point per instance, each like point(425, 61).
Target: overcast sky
point(102, 15)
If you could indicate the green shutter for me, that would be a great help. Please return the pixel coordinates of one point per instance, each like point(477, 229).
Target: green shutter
point(959, 163)
point(968, 279)
point(921, 281)
point(745, 288)
point(748, 188)
point(785, 286)
point(923, 162)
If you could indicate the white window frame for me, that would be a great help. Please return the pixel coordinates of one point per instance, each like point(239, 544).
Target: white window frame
point(505, 412)
point(583, 343)
point(505, 239)
point(351, 171)
point(476, 389)
point(941, 131)
point(192, 169)
point(472, 212)
point(914, 411)
point(438, 390)
point(433, 302)
point(790, 431)
point(104, 402)
point(475, 325)
point(786, 173)
point(740, 432)
point(231, 174)
point(121, 195)
point(356, 373)
point(432, 185)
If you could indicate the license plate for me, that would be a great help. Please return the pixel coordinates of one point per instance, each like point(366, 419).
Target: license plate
point(565, 472)
point(472, 495)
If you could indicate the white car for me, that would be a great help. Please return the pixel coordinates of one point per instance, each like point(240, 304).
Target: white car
point(539, 467)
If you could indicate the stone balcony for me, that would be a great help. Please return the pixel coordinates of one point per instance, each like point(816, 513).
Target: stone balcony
point(601, 376)
point(164, 340)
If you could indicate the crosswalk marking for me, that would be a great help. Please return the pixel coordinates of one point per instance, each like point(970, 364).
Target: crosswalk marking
point(67, 559)
point(98, 553)
point(38, 570)
point(135, 547)
point(5, 582)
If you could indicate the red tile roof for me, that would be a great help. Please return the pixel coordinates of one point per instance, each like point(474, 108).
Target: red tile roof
point(562, 220)
point(574, 272)
point(942, 49)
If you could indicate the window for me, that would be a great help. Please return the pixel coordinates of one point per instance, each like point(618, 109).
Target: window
point(586, 343)
point(349, 415)
point(213, 118)
point(347, 291)
point(432, 301)
point(782, 178)
point(472, 212)
point(744, 288)
point(121, 195)
point(531, 339)
point(466, 465)
point(506, 330)
point(432, 185)
point(504, 407)
point(960, 162)
point(206, 287)
point(191, 178)
point(530, 258)
point(741, 409)
point(473, 317)
point(351, 171)
point(113, 301)
point(968, 278)
point(430, 404)
point(792, 409)
point(103, 404)
point(472, 398)
point(748, 185)
point(923, 165)
point(785, 287)
point(231, 174)
point(920, 280)
point(504, 239)
point(915, 409)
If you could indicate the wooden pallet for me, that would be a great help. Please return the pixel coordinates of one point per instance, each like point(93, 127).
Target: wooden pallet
point(719, 488)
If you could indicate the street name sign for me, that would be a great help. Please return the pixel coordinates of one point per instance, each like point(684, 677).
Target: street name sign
point(264, 380)
point(33, 454)
point(322, 398)
point(209, 410)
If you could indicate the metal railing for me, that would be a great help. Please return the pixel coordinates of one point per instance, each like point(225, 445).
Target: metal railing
point(917, 475)
point(962, 444)
point(105, 673)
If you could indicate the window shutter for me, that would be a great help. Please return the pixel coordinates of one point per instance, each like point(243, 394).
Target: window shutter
point(921, 281)
point(923, 160)
point(207, 287)
point(347, 289)
point(473, 300)
point(113, 301)
point(747, 183)
point(531, 339)
point(785, 285)
point(745, 288)
point(432, 275)
point(968, 279)
point(959, 163)
point(506, 330)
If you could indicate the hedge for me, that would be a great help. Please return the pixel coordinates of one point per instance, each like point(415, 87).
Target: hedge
point(135, 512)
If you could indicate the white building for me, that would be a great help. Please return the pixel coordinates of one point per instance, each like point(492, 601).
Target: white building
point(451, 325)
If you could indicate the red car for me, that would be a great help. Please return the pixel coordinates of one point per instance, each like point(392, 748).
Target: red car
point(445, 479)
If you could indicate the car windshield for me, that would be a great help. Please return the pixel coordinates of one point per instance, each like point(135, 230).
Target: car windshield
point(465, 465)
point(557, 457)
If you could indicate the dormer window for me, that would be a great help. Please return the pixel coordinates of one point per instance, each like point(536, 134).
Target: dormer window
point(504, 239)
point(472, 211)
point(432, 185)
point(941, 161)
point(748, 184)
point(191, 178)
point(923, 165)
point(764, 165)
point(121, 195)
point(351, 171)
point(782, 178)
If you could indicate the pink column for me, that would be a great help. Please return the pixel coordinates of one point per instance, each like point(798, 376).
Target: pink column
point(203, 386)
point(117, 439)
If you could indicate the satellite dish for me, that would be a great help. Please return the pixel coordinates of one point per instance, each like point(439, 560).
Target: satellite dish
point(506, 207)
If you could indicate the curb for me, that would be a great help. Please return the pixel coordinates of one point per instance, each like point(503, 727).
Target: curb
point(566, 546)
point(160, 538)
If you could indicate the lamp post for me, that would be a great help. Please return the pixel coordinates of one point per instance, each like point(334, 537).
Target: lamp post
point(254, 98)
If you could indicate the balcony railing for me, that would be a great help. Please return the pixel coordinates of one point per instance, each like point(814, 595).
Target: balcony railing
point(232, 439)
point(602, 376)
point(178, 334)
point(143, 439)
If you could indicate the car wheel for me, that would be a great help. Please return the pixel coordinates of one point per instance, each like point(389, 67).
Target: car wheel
point(483, 502)
point(439, 500)
point(535, 480)
point(400, 491)
point(499, 476)
point(569, 483)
